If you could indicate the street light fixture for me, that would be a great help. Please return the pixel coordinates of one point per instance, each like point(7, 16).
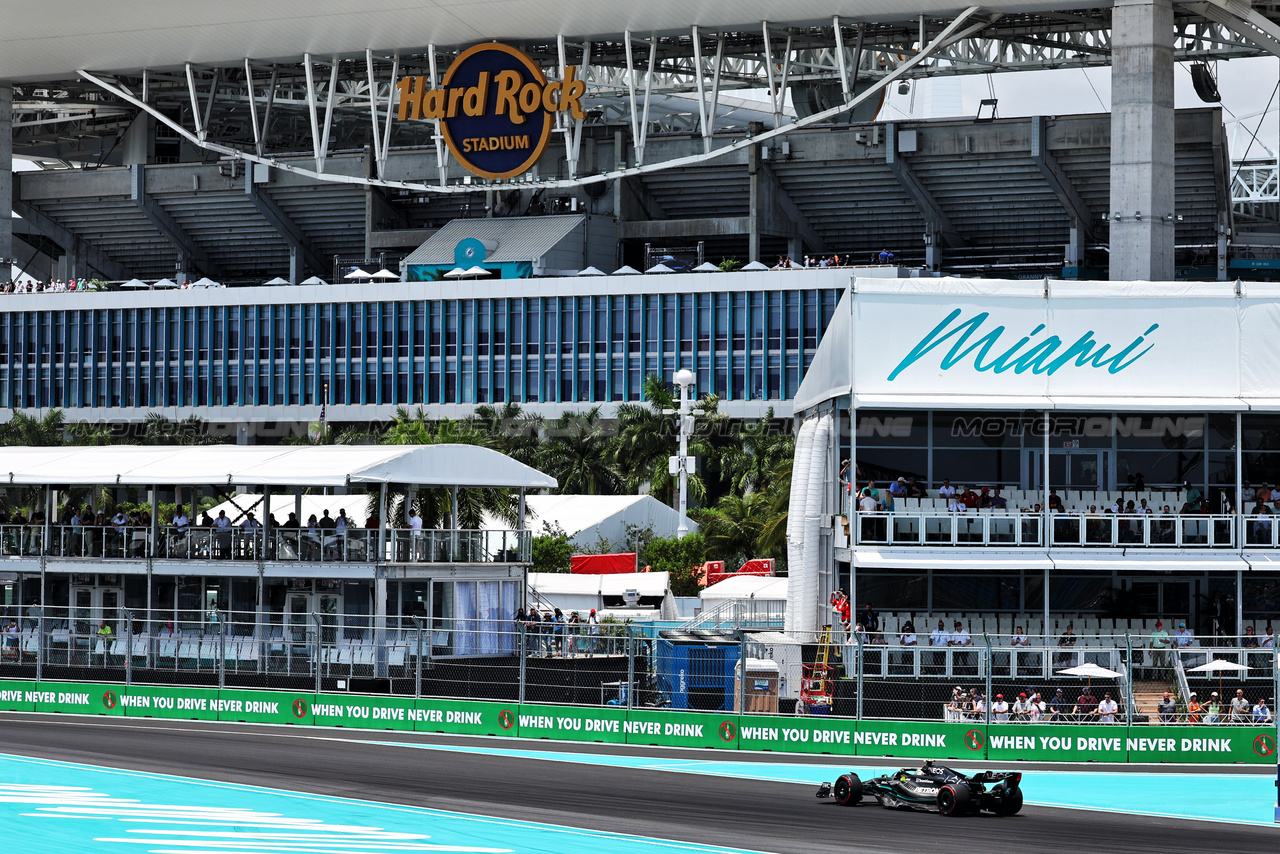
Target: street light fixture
point(682, 465)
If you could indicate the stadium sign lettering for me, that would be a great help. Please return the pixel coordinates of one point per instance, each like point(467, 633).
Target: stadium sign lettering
point(495, 108)
point(1042, 357)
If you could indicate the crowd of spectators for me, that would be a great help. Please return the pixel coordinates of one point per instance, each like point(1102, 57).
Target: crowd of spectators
point(1029, 707)
point(54, 286)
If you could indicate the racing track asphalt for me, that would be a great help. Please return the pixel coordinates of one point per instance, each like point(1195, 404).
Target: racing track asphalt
point(774, 817)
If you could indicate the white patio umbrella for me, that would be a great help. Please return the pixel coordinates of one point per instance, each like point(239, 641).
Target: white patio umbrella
point(456, 273)
point(626, 270)
point(477, 272)
point(205, 282)
point(1219, 666)
point(753, 267)
point(165, 283)
point(278, 281)
point(592, 271)
point(707, 267)
point(314, 280)
point(384, 273)
point(1090, 671)
point(357, 273)
point(135, 283)
point(659, 268)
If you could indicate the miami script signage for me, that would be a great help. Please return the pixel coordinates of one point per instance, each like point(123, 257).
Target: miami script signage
point(495, 107)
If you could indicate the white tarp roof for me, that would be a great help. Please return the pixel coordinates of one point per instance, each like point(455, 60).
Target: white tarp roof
point(279, 465)
point(586, 518)
point(747, 587)
point(564, 584)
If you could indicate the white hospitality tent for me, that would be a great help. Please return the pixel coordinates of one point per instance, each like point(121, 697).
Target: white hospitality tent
point(588, 518)
point(748, 588)
point(606, 594)
point(280, 465)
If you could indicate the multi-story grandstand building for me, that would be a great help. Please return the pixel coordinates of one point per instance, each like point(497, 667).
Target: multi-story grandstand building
point(493, 164)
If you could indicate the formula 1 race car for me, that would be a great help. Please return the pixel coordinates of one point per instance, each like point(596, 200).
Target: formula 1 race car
point(933, 788)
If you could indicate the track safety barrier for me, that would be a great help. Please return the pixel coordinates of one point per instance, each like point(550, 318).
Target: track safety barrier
point(1254, 745)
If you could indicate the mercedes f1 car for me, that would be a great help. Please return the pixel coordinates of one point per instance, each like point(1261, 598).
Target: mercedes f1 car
point(933, 788)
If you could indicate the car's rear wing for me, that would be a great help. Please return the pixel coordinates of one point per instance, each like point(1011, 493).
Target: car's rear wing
point(1015, 777)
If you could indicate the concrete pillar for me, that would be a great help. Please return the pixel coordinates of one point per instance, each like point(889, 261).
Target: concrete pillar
point(1142, 140)
point(295, 264)
point(6, 179)
point(754, 204)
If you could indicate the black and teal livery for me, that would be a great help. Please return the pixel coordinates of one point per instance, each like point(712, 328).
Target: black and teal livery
point(934, 788)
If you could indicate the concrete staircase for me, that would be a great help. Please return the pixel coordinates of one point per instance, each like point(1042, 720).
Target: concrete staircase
point(1147, 694)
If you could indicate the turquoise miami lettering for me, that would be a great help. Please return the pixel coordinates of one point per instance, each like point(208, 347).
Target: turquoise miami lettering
point(1044, 356)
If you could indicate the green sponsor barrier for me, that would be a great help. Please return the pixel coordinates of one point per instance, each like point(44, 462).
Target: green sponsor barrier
point(145, 701)
point(78, 698)
point(265, 707)
point(571, 723)
point(354, 710)
point(17, 696)
point(681, 729)
point(465, 717)
point(819, 734)
point(1255, 745)
point(1059, 742)
point(920, 739)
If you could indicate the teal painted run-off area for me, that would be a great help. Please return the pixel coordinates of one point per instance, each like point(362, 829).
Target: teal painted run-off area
point(1235, 798)
point(50, 806)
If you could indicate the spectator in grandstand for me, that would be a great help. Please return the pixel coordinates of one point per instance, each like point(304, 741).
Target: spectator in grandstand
point(940, 636)
point(953, 710)
point(1055, 502)
point(1086, 706)
point(955, 504)
point(998, 501)
point(1159, 646)
point(1268, 638)
point(979, 706)
point(1260, 527)
point(899, 488)
point(885, 256)
point(916, 490)
point(593, 630)
point(843, 607)
point(1019, 637)
point(1213, 710)
point(250, 523)
point(960, 635)
point(869, 618)
point(1000, 710)
point(1250, 640)
point(907, 637)
point(1068, 637)
point(1240, 708)
point(1182, 637)
point(1194, 710)
point(870, 489)
point(1143, 509)
point(1167, 709)
point(1036, 710)
point(1059, 708)
point(1263, 494)
point(1261, 714)
point(970, 498)
point(1107, 709)
point(966, 704)
point(946, 490)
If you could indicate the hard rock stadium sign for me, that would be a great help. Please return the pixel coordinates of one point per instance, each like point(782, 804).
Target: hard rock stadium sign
point(495, 108)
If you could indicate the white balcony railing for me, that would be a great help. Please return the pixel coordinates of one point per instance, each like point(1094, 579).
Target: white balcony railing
point(1069, 530)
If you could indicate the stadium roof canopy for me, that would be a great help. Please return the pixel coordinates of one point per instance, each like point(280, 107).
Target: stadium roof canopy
point(53, 39)
point(236, 465)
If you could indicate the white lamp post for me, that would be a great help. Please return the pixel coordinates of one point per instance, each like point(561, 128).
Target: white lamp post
point(682, 464)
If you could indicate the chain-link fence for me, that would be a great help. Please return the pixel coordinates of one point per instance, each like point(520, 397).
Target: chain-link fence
point(946, 675)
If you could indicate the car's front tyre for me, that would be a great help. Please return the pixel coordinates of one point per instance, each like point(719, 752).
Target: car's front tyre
point(848, 790)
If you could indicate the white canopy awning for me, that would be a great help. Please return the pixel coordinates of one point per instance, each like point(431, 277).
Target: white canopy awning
point(280, 465)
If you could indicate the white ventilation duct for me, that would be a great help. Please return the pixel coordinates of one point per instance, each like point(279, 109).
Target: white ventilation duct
point(810, 481)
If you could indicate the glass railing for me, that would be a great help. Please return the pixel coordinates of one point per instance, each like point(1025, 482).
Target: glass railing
point(310, 545)
point(1065, 530)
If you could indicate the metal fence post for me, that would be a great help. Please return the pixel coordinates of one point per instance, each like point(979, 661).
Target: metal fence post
point(742, 678)
point(522, 649)
point(417, 668)
point(128, 646)
point(631, 667)
point(1130, 700)
point(222, 650)
point(39, 645)
point(988, 666)
point(858, 661)
point(315, 658)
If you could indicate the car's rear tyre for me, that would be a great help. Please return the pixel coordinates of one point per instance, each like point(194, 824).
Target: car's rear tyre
point(848, 790)
point(1010, 803)
point(953, 799)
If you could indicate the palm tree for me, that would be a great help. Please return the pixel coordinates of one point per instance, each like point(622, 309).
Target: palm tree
point(578, 456)
point(23, 429)
point(731, 529)
point(515, 433)
point(758, 448)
